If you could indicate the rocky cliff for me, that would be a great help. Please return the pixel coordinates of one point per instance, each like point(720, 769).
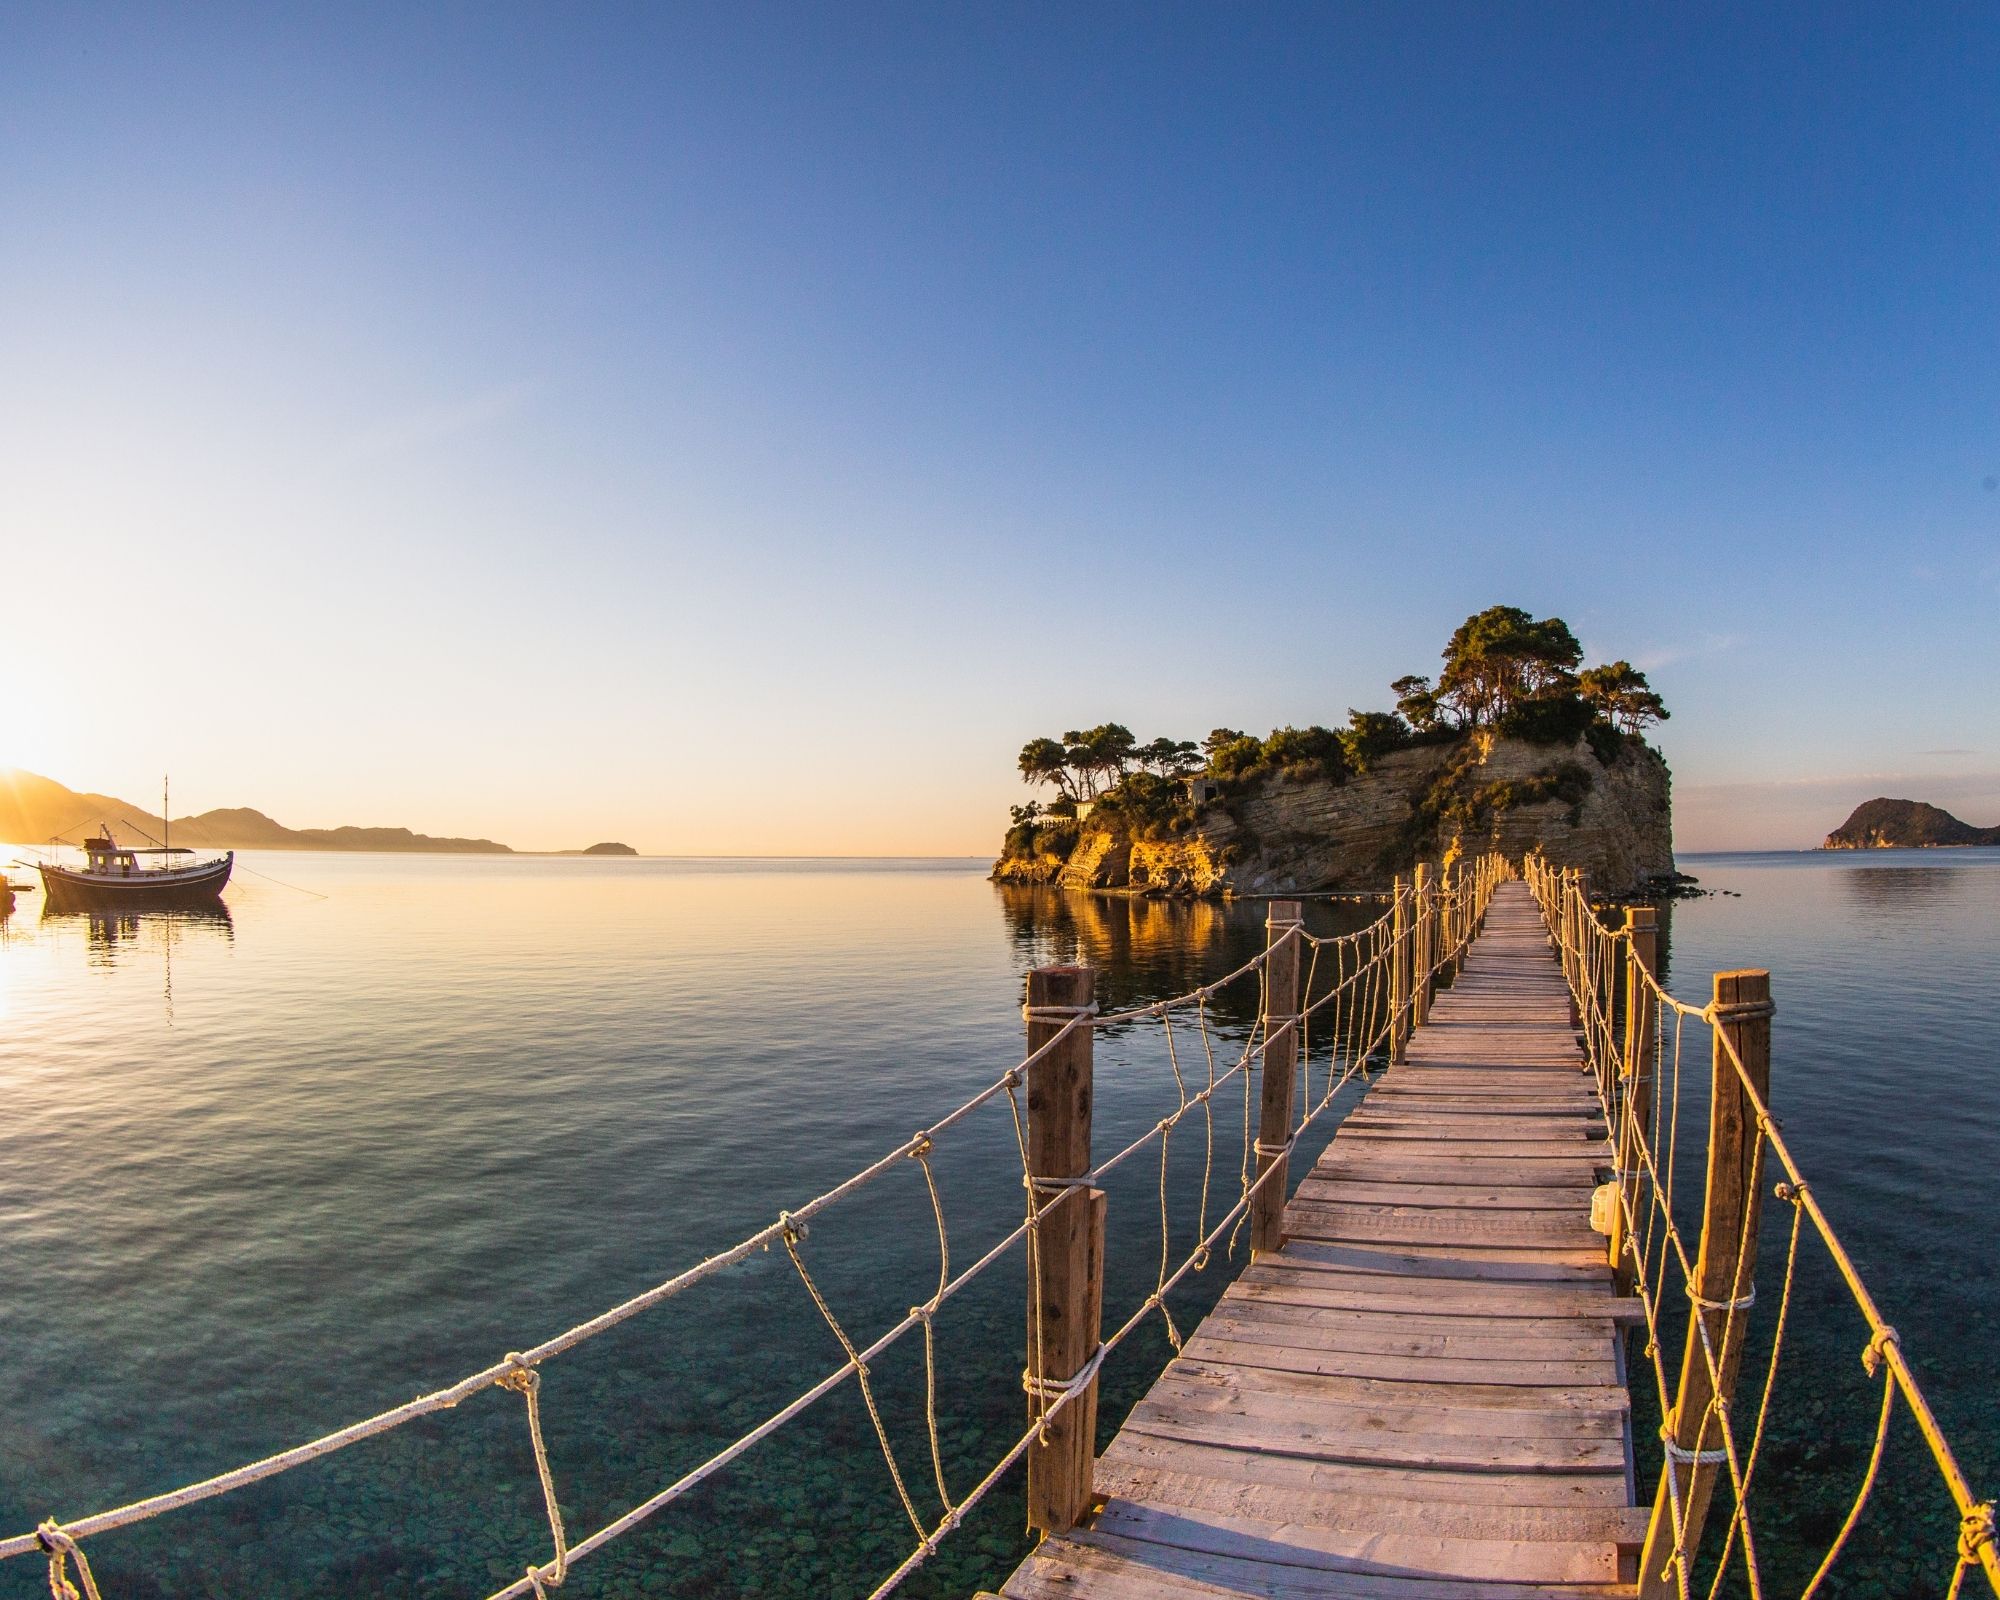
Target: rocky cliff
point(1884, 824)
point(1608, 813)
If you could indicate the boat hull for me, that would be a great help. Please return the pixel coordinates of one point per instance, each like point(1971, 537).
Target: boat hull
point(66, 890)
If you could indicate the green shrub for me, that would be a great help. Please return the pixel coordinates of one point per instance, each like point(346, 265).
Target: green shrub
point(1607, 743)
point(1372, 734)
point(1146, 804)
point(1303, 752)
point(1547, 719)
point(1233, 758)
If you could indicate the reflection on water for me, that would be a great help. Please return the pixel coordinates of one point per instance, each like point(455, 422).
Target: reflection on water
point(109, 935)
point(143, 938)
point(1143, 947)
point(1899, 894)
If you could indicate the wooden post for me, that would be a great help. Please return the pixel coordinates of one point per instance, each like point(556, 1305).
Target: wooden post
point(1420, 948)
point(1642, 953)
point(1723, 1274)
point(1572, 965)
point(1399, 977)
point(1447, 924)
point(1282, 926)
point(1066, 1295)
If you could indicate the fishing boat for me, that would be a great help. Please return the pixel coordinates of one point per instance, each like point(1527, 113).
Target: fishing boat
point(118, 877)
point(114, 876)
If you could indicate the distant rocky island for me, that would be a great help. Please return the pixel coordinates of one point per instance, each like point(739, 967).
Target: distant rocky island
point(609, 849)
point(34, 808)
point(1513, 749)
point(1885, 824)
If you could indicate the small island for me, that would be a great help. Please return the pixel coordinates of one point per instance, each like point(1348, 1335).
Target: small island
point(1515, 747)
point(1886, 824)
point(608, 849)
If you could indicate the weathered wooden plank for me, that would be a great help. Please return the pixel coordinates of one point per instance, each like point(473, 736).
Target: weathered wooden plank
point(1473, 1337)
point(1203, 1479)
point(1458, 1452)
point(1318, 1547)
point(1376, 1165)
point(1308, 1219)
point(1340, 1388)
point(1488, 1196)
point(1117, 1568)
point(1428, 1369)
point(1259, 1392)
point(1428, 1489)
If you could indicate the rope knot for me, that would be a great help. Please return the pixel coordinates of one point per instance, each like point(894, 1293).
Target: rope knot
point(1794, 1192)
point(519, 1376)
point(53, 1538)
point(921, 1147)
point(1975, 1531)
point(1871, 1358)
point(793, 1230)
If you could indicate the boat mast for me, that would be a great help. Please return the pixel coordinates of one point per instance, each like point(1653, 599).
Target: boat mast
point(166, 815)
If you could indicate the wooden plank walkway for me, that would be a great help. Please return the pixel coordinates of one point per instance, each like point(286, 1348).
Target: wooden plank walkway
point(1422, 1395)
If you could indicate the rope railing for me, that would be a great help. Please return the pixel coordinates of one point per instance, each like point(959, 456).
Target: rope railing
point(1360, 995)
point(1635, 1036)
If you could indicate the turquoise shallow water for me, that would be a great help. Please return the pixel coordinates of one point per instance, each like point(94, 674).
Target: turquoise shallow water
point(271, 1172)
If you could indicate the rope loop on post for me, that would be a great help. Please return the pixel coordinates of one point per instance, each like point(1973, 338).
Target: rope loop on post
point(1744, 1303)
point(1053, 1392)
point(1690, 1458)
point(1058, 1013)
point(1737, 1010)
point(1272, 1151)
point(61, 1547)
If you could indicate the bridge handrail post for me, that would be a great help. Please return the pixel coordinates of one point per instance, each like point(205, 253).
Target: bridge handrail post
point(1282, 925)
point(1399, 975)
point(1454, 917)
point(1421, 953)
point(1723, 1279)
point(1635, 1113)
point(1572, 943)
point(1066, 1259)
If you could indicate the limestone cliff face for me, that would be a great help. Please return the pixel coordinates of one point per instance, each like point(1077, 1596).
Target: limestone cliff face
point(1278, 834)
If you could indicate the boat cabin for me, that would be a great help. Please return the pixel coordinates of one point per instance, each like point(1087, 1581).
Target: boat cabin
point(105, 857)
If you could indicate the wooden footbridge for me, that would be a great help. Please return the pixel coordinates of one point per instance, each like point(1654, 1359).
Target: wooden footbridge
point(1417, 1389)
point(1421, 1392)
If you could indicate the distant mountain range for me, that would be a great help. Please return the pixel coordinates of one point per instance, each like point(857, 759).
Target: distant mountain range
point(34, 809)
point(1884, 824)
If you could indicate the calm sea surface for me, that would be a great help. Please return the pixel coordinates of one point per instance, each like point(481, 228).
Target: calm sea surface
point(268, 1172)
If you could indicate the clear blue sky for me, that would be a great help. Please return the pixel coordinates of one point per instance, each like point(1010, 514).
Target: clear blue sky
point(740, 428)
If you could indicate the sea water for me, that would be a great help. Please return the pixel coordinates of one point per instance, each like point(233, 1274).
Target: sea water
point(272, 1170)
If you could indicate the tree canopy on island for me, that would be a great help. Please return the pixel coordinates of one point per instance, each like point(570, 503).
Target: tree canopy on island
point(1504, 670)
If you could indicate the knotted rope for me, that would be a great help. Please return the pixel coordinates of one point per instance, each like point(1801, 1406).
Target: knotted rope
point(525, 1381)
point(62, 1549)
